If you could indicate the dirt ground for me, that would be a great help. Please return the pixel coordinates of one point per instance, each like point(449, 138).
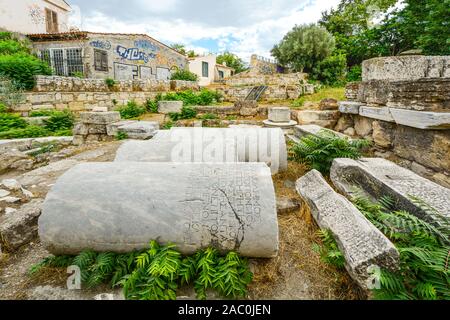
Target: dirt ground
point(296, 274)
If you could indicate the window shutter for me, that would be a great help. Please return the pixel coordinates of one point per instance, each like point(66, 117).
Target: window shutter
point(55, 21)
point(104, 61)
point(48, 20)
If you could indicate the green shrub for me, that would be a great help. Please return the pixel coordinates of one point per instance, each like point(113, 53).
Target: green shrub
point(331, 71)
point(329, 250)
point(208, 116)
point(5, 35)
point(185, 75)
point(151, 106)
point(319, 151)
point(41, 113)
point(157, 273)
point(354, 74)
point(110, 83)
point(207, 97)
point(21, 69)
point(78, 74)
point(8, 47)
point(167, 125)
point(9, 121)
point(10, 94)
point(3, 108)
point(131, 110)
point(63, 133)
point(424, 250)
point(60, 120)
point(121, 135)
point(27, 132)
point(191, 98)
point(186, 113)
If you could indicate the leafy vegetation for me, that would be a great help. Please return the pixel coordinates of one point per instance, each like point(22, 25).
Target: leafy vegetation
point(60, 120)
point(110, 83)
point(185, 75)
point(186, 113)
point(41, 113)
point(190, 98)
point(27, 132)
point(181, 48)
point(424, 250)
point(131, 110)
point(18, 64)
point(319, 151)
point(151, 106)
point(121, 135)
point(157, 273)
point(328, 250)
point(10, 121)
point(331, 71)
point(208, 116)
point(10, 93)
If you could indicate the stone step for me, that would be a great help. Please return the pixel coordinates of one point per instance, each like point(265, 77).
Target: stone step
point(120, 207)
point(379, 177)
point(361, 243)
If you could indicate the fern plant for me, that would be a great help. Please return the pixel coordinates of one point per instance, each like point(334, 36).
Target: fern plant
point(329, 250)
point(157, 273)
point(424, 249)
point(319, 151)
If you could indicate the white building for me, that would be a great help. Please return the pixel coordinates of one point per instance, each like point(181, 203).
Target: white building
point(208, 70)
point(34, 16)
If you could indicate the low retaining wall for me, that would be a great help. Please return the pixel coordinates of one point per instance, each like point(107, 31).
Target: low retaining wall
point(86, 94)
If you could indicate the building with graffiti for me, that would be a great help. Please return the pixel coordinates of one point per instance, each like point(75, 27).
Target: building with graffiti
point(107, 55)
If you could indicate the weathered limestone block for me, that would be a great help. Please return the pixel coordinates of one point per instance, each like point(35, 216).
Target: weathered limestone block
point(214, 145)
point(141, 130)
point(247, 107)
point(363, 126)
point(406, 68)
point(421, 119)
point(381, 135)
point(326, 119)
point(219, 110)
point(379, 177)
point(99, 117)
point(105, 207)
point(344, 122)
point(305, 130)
point(351, 107)
point(351, 91)
point(362, 244)
point(376, 113)
point(166, 107)
point(328, 104)
point(21, 226)
point(280, 114)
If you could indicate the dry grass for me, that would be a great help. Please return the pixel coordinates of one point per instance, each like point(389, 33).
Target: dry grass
point(325, 93)
point(297, 263)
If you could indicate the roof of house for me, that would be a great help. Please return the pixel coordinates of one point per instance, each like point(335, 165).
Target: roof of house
point(223, 66)
point(81, 35)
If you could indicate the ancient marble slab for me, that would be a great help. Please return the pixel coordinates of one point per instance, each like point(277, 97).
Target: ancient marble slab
point(99, 117)
point(120, 207)
point(421, 119)
point(305, 130)
point(210, 145)
point(376, 113)
point(351, 107)
point(379, 177)
point(362, 244)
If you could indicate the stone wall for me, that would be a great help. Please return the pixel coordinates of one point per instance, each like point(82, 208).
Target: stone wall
point(261, 65)
point(403, 106)
point(85, 94)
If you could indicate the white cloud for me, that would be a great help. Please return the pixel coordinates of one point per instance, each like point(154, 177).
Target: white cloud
point(243, 27)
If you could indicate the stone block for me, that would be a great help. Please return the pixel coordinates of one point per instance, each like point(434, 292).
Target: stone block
point(379, 177)
point(140, 130)
point(351, 107)
point(80, 129)
point(376, 113)
point(21, 226)
point(326, 119)
point(328, 104)
point(305, 130)
point(361, 243)
point(214, 145)
point(166, 107)
point(99, 117)
point(280, 114)
point(120, 207)
point(421, 119)
point(363, 126)
point(247, 108)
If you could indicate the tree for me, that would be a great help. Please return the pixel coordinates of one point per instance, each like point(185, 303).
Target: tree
point(304, 47)
point(181, 48)
point(232, 61)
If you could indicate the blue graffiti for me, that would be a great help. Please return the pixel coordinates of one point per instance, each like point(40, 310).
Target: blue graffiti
point(101, 44)
point(145, 44)
point(134, 54)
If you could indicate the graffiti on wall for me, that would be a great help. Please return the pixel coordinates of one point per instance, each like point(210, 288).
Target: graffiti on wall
point(146, 45)
point(36, 14)
point(100, 44)
point(134, 54)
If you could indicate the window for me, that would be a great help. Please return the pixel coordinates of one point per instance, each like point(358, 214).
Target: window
point(64, 61)
point(205, 69)
point(101, 60)
point(221, 75)
point(51, 19)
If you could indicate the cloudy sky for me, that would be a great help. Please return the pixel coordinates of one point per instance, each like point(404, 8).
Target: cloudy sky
point(240, 26)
